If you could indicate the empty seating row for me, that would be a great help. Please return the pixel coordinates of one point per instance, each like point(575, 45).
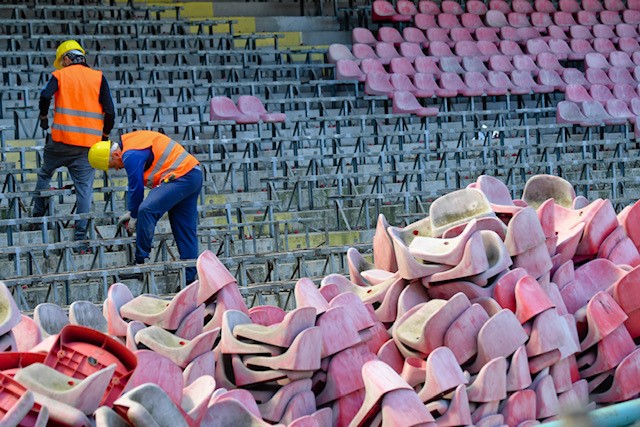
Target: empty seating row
point(525, 6)
point(249, 109)
point(601, 93)
point(614, 59)
point(593, 113)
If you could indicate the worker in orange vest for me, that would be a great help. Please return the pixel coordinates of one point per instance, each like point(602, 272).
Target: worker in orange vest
point(154, 160)
point(83, 115)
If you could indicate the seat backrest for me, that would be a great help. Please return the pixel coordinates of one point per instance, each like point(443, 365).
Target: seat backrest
point(500, 5)
point(544, 6)
point(338, 51)
point(624, 92)
point(401, 66)
point(522, 6)
point(389, 35)
point(414, 35)
point(50, 317)
point(600, 93)
point(362, 35)
point(401, 82)
point(248, 104)
point(439, 49)
point(406, 7)
point(496, 19)
point(370, 65)
point(428, 65)
point(596, 60)
point(499, 79)
point(410, 50)
point(386, 50)
point(460, 34)
point(570, 6)
point(576, 93)
point(223, 108)
point(501, 63)
point(428, 7)
point(362, 51)
point(452, 7)
point(476, 7)
point(425, 81)
point(592, 5)
point(425, 21)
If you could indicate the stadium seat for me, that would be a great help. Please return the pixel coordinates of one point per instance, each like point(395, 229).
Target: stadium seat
point(633, 4)
point(548, 61)
point(563, 19)
point(570, 112)
point(411, 50)
point(524, 79)
point(587, 18)
point(580, 32)
point(592, 5)
point(415, 35)
point(611, 18)
point(500, 79)
point(580, 49)
point(526, 33)
point(428, 7)
point(339, 51)
point(487, 50)
point(477, 82)
point(150, 309)
point(496, 19)
point(510, 48)
point(518, 20)
point(604, 32)
point(603, 46)
point(636, 73)
point(448, 21)
point(362, 51)
point(596, 60)
point(598, 76)
point(474, 64)
point(600, 93)
point(536, 46)
point(557, 33)
point(541, 20)
point(363, 35)
point(385, 52)
point(401, 82)
point(427, 65)
point(595, 111)
point(439, 35)
point(86, 313)
point(500, 5)
point(510, 33)
point(454, 82)
point(252, 105)
point(427, 82)
point(624, 92)
point(460, 34)
point(627, 30)
point(406, 102)
point(544, 6)
point(560, 49)
point(406, 8)
point(501, 63)
point(616, 5)
point(476, 7)
point(349, 70)
point(522, 6)
point(525, 63)
point(390, 35)
point(371, 65)
point(621, 75)
point(487, 34)
point(569, 6)
point(223, 108)
point(573, 76)
point(383, 11)
point(635, 57)
point(551, 78)
point(451, 65)
point(50, 318)
point(451, 7)
point(439, 49)
point(425, 21)
point(628, 45)
point(466, 48)
point(577, 94)
point(631, 16)
point(378, 84)
point(402, 66)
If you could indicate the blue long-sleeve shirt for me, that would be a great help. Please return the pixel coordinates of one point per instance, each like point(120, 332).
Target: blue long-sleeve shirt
point(105, 100)
point(135, 163)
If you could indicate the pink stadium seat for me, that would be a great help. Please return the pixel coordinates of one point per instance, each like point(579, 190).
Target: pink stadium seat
point(471, 20)
point(477, 82)
point(383, 11)
point(390, 35)
point(518, 20)
point(600, 93)
point(598, 76)
point(557, 33)
point(624, 92)
point(587, 18)
point(635, 57)
point(448, 20)
point(576, 93)
point(223, 108)
point(425, 21)
point(604, 32)
point(524, 80)
point(560, 49)
point(487, 34)
point(631, 17)
point(386, 51)
point(402, 66)
point(401, 82)
point(603, 46)
point(580, 32)
point(251, 105)
point(621, 75)
point(522, 6)
point(411, 50)
point(454, 82)
point(339, 51)
point(428, 7)
point(551, 78)
point(616, 5)
point(476, 7)
point(427, 65)
point(573, 76)
point(428, 82)
point(496, 19)
point(406, 8)
point(451, 65)
point(569, 6)
point(371, 65)
point(452, 7)
point(439, 35)
point(544, 6)
point(569, 112)
point(563, 19)
point(609, 17)
point(510, 48)
point(619, 109)
point(363, 51)
point(349, 70)
point(406, 102)
point(501, 63)
point(487, 50)
point(548, 61)
point(595, 111)
point(363, 35)
point(626, 30)
point(635, 106)
point(378, 84)
point(466, 48)
point(541, 20)
point(460, 34)
point(525, 63)
point(500, 79)
point(526, 33)
point(596, 60)
point(636, 73)
point(415, 35)
point(592, 5)
point(633, 4)
point(427, 91)
point(474, 64)
point(500, 5)
point(628, 45)
point(510, 33)
point(536, 46)
point(439, 49)
point(580, 49)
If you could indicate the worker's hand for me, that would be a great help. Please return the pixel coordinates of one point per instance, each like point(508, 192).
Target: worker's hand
point(124, 218)
point(131, 225)
point(44, 122)
point(105, 137)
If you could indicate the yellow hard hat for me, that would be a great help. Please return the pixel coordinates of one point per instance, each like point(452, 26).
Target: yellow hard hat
point(99, 155)
point(64, 48)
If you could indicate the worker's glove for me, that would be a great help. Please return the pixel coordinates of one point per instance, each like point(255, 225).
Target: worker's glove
point(124, 218)
point(131, 225)
point(44, 122)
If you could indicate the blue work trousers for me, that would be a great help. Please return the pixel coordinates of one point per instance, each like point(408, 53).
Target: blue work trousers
point(180, 199)
point(76, 160)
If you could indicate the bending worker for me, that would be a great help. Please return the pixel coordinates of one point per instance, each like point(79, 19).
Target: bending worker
point(154, 160)
point(83, 115)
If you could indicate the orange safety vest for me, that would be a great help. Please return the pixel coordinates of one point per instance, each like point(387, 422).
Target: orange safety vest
point(170, 159)
point(78, 117)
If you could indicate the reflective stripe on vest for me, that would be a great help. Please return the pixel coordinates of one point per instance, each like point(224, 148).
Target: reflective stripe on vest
point(170, 146)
